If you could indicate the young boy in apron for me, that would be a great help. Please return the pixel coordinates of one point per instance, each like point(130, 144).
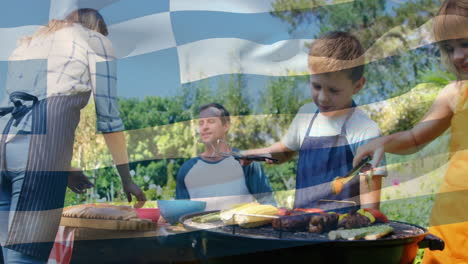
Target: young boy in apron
point(327, 132)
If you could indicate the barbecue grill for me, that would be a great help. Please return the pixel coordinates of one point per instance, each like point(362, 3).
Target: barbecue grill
point(233, 244)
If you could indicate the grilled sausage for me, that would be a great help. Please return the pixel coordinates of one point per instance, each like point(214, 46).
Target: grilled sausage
point(297, 221)
point(323, 223)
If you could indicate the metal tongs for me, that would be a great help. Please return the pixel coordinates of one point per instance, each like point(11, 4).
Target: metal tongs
point(338, 183)
point(237, 155)
point(254, 158)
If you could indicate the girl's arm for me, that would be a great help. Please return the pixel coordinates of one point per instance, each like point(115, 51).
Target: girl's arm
point(432, 125)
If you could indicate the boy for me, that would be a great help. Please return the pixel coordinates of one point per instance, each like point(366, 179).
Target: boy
point(327, 132)
point(220, 180)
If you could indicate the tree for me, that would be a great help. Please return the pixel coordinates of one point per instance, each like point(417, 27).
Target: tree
point(371, 20)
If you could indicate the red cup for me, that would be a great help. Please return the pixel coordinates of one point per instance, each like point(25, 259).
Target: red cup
point(148, 213)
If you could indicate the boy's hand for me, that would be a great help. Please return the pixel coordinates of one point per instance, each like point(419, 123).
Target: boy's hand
point(247, 159)
point(269, 159)
point(245, 162)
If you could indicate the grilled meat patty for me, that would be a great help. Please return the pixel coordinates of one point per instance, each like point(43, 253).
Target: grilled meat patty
point(323, 223)
point(354, 220)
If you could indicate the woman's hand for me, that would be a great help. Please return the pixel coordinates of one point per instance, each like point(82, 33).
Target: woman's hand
point(78, 182)
point(117, 146)
point(130, 188)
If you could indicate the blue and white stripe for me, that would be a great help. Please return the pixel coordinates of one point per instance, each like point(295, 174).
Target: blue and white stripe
point(234, 36)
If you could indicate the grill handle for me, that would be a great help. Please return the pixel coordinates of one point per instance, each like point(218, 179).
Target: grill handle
point(432, 242)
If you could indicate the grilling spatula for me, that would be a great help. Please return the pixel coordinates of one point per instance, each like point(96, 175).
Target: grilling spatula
point(338, 183)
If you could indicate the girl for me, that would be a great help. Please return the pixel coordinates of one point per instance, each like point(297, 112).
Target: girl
point(450, 109)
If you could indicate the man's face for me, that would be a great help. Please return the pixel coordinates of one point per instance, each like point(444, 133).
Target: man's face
point(333, 92)
point(211, 127)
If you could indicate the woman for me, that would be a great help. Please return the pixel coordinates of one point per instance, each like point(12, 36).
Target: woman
point(450, 109)
point(51, 76)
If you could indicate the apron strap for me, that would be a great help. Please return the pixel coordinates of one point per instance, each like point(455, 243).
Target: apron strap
point(343, 126)
point(15, 96)
point(310, 123)
point(18, 111)
point(5, 110)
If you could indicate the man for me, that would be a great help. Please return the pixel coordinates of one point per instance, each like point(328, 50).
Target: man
point(216, 176)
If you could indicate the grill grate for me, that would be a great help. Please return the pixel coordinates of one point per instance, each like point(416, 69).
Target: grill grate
point(401, 231)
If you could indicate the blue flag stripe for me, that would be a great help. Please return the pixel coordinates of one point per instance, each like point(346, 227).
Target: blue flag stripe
point(124, 10)
point(24, 12)
point(263, 28)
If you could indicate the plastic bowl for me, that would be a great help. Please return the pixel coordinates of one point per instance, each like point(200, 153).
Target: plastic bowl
point(148, 213)
point(172, 210)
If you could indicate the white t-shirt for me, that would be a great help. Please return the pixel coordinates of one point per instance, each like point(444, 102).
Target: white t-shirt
point(359, 128)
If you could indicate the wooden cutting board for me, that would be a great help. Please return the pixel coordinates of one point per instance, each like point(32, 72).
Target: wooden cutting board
point(108, 224)
point(99, 234)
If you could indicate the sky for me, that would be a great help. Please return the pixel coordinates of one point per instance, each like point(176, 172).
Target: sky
point(165, 44)
point(149, 53)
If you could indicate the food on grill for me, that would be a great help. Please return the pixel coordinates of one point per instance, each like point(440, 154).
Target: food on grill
point(313, 220)
point(323, 222)
point(253, 216)
point(368, 233)
point(284, 211)
point(101, 211)
point(212, 217)
point(379, 216)
point(309, 210)
point(296, 221)
point(250, 215)
point(337, 185)
point(317, 221)
point(355, 219)
point(227, 215)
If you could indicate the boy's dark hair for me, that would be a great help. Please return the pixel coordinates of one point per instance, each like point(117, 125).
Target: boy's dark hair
point(337, 51)
point(224, 115)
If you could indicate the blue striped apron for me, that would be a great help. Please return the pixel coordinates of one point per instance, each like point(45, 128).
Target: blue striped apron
point(37, 216)
point(321, 159)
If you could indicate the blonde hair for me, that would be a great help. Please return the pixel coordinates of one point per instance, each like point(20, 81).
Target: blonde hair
point(337, 51)
point(451, 22)
point(87, 17)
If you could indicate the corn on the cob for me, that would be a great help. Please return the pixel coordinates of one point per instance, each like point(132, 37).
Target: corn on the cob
point(213, 217)
point(226, 215)
point(249, 215)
